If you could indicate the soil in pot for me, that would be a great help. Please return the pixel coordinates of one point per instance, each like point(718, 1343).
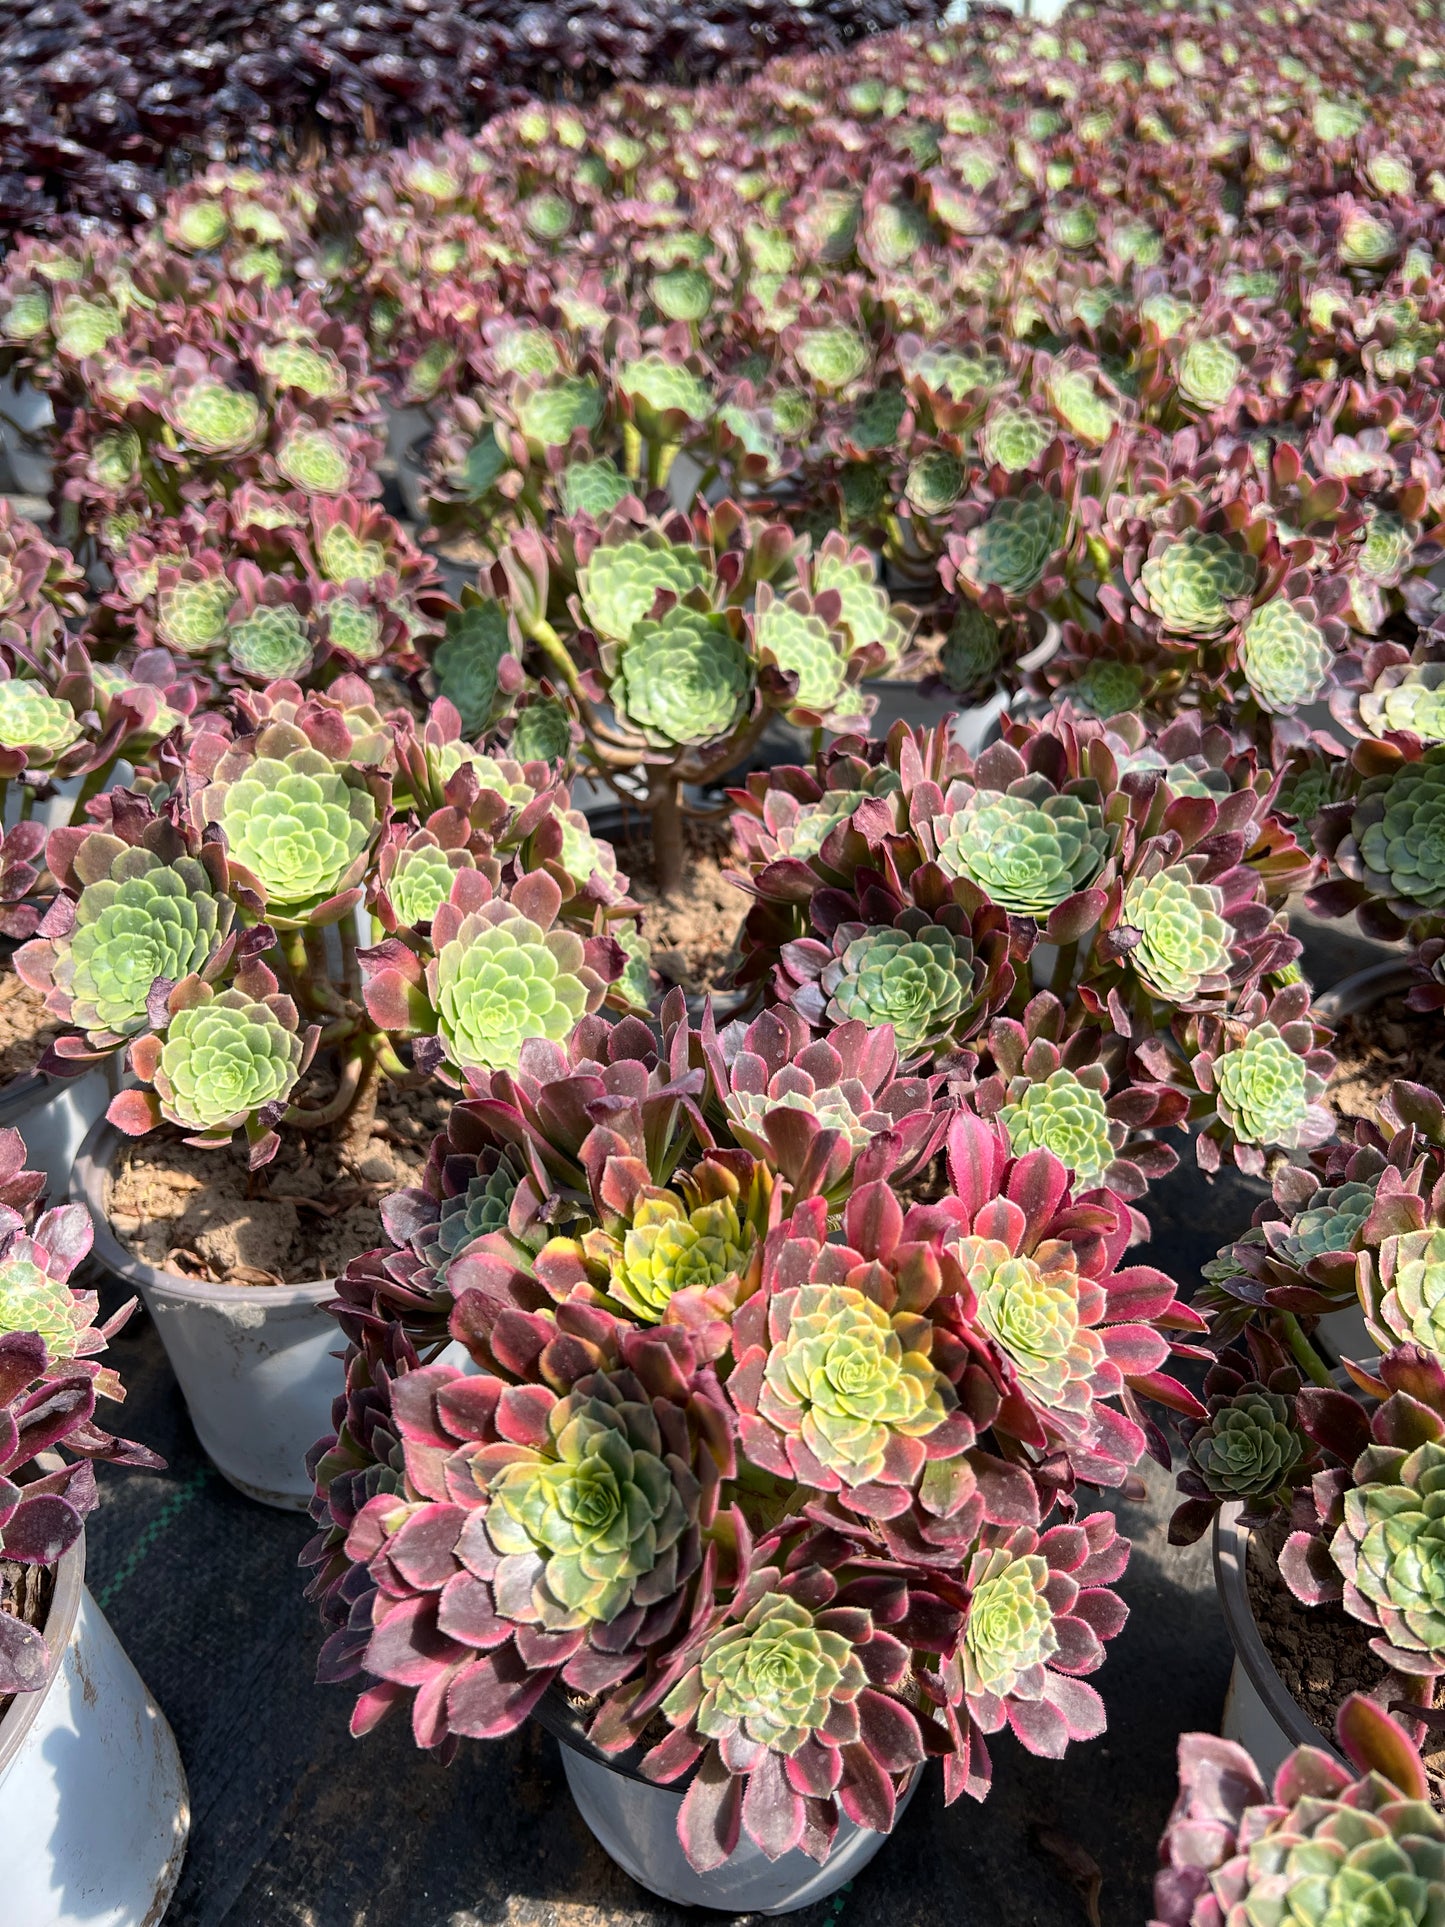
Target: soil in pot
point(25, 1593)
point(26, 1027)
point(301, 1218)
point(694, 935)
point(1378, 1045)
point(1320, 1652)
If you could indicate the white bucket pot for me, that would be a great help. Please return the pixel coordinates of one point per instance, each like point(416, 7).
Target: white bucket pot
point(1343, 1334)
point(94, 1810)
point(635, 1822)
point(1260, 1712)
point(257, 1364)
point(26, 417)
point(53, 1115)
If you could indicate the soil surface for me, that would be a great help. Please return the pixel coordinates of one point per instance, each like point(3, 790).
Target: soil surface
point(1320, 1652)
point(26, 1027)
point(1376, 1046)
point(301, 1218)
point(694, 937)
point(25, 1593)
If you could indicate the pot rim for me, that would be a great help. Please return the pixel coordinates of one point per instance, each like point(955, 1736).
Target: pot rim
point(59, 1624)
point(1231, 1550)
point(87, 1186)
point(1364, 988)
point(555, 1716)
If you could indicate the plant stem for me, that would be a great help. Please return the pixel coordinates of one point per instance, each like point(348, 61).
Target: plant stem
point(664, 802)
point(553, 647)
point(92, 786)
point(1305, 1355)
point(318, 1117)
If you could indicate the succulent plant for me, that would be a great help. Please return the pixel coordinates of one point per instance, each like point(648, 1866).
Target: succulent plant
point(1027, 848)
point(918, 977)
point(1264, 1089)
point(1039, 1611)
point(1106, 688)
point(1286, 656)
point(50, 1381)
point(1410, 1296)
point(786, 1700)
point(684, 678)
point(1209, 372)
point(498, 976)
point(867, 613)
point(578, 1536)
point(619, 582)
point(677, 1244)
point(1374, 1543)
point(1192, 580)
point(1408, 696)
point(835, 1381)
point(972, 653)
point(1249, 1448)
point(1038, 1307)
point(1065, 1113)
point(1012, 548)
point(832, 357)
point(1183, 942)
point(300, 824)
point(32, 720)
point(226, 1057)
point(468, 660)
point(1392, 847)
point(1014, 438)
point(138, 920)
point(1320, 1845)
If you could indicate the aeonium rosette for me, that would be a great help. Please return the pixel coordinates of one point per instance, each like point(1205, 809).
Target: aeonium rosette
point(789, 1707)
point(637, 1166)
point(555, 1529)
point(1060, 1326)
point(1321, 1841)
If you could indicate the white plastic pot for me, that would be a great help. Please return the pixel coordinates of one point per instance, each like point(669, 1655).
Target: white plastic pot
point(1260, 1712)
point(635, 1822)
point(26, 419)
point(256, 1364)
point(94, 1810)
point(53, 1115)
point(1343, 1334)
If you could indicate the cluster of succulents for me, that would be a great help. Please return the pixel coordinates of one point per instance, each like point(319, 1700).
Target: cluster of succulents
point(704, 1437)
point(1319, 1843)
point(50, 1382)
point(905, 883)
point(215, 932)
point(103, 118)
point(1354, 1471)
point(677, 638)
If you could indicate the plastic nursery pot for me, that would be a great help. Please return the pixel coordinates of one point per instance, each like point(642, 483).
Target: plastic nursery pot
point(411, 474)
point(256, 1364)
point(26, 424)
point(1260, 1712)
point(635, 1822)
point(53, 1116)
point(94, 1810)
point(1342, 1334)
